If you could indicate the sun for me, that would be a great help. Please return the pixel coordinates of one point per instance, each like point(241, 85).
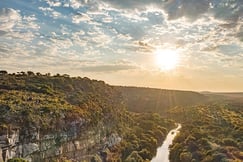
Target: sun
point(166, 59)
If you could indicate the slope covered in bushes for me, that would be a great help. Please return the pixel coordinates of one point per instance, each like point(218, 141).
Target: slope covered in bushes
point(210, 133)
point(158, 100)
point(61, 117)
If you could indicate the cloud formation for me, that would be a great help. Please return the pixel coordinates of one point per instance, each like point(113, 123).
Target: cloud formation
point(58, 34)
point(8, 18)
point(107, 68)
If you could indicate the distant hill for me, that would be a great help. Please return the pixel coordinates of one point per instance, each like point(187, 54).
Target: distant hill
point(225, 96)
point(236, 95)
point(158, 100)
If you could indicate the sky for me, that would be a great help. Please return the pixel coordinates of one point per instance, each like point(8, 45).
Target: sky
point(116, 41)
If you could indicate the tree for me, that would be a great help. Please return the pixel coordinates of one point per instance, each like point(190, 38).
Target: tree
point(145, 154)
point(218, 157)
point(185, 156)
point(229, 142)
point(22, 73)
point(175, 151)
point(134, 157)
point(30, 73)
point(38, 74)
point(96, 158)
point(3, 72)
point(66, 75)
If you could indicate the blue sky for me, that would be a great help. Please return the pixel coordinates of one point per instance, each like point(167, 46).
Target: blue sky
point(115, 40)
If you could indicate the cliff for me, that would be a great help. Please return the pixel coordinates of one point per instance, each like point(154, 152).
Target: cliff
point(44, 118)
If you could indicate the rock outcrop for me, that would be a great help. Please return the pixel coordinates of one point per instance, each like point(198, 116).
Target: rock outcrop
point(78, 142)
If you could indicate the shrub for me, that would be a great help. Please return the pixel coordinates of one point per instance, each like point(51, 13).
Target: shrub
point(17, 160)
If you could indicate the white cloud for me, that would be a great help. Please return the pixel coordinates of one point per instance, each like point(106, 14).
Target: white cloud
point(45, 8)
point(77, 38)
point(75, 4)
point(53, 3)
point(80, 17)
point(17, 28)
point(103, 67)
point(29, 23)
point(8, 18)
point(48, 11)
point(56, 14)
point(93, 35)
point(107, 19)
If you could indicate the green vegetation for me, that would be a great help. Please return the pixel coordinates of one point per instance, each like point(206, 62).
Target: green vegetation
point(17, 160)
point(145, 134)
point(31, 100)
point(51, 103)
point(210, 133)
point(158, 100)
point(30, 109)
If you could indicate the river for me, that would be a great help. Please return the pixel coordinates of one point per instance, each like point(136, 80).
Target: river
point(163, 151)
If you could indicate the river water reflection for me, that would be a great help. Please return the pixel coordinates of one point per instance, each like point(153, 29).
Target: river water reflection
point(163, 151)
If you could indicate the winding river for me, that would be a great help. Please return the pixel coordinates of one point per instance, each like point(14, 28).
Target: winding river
point(163, 151)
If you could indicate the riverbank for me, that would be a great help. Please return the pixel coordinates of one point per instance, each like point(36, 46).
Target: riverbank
point(163, 151)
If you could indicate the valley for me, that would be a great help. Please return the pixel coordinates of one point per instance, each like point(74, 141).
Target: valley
point(61, 118)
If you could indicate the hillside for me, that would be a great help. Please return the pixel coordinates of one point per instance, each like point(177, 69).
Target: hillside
point(211, 123)
point(158, 100)
point(210, 133)
point(59, 118)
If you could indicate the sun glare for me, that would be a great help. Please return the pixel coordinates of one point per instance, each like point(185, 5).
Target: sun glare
point(166, 59)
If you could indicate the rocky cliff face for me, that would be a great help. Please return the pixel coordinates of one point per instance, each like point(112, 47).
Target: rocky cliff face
point(77, 142)
point(47, 118)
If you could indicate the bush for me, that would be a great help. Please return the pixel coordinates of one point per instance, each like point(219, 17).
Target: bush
point(17, 160)
point(185, 156)
point(134, 157)
point(219, 157)
point(229, 142)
